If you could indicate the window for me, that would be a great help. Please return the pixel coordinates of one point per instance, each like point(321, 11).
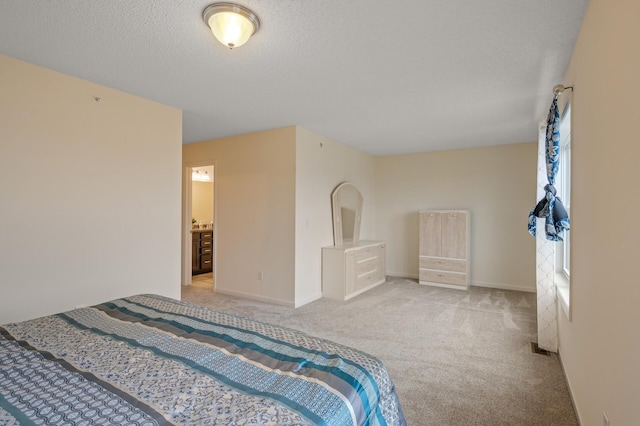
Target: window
point(563, 185)
point(564, 191)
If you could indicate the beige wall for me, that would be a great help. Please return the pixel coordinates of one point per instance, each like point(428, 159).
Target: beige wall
point(497, 184)
point(202, 201)
point(322, 164)
point(599, 347)
point(292, 171)
point(90, 193)
point(255, 211)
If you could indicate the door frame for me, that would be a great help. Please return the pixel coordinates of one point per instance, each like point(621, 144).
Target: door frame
point(187, 214)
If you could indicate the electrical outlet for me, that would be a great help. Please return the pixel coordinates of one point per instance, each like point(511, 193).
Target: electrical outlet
point(260, 275)
point(605, 419)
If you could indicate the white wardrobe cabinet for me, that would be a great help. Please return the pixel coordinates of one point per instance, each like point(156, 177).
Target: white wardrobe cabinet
point(444, 248)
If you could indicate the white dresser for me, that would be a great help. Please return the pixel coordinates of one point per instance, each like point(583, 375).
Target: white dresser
point(444, 248)
point(353, 268)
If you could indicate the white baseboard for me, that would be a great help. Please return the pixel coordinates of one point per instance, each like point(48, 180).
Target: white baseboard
point(502, 286)
point(402, 275)
point(271, 300)
point(254, 297)
point(454, 287)
point(473, 283)
point(308, 300)
point(566, 379)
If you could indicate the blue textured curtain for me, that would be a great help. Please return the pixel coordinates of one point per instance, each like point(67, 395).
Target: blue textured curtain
point(550, 207)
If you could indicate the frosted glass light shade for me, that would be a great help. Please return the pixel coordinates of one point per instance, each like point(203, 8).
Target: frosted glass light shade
point(231, 23)
point(200, 177)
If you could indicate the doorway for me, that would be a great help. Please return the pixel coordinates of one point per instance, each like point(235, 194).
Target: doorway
point(202, 230)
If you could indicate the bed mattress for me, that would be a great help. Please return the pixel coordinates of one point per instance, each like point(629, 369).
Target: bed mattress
point(151, 360)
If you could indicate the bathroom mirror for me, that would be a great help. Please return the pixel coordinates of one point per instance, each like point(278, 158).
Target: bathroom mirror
point(346, 203)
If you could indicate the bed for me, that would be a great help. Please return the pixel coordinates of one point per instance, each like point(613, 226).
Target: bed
point(151, 360)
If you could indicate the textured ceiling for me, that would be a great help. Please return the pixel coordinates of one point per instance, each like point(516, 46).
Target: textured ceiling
point(384, 77)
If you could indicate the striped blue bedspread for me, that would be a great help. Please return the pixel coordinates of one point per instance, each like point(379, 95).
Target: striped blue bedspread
point(151, 360)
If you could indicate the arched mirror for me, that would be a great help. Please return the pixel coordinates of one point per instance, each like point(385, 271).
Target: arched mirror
point(346, 202)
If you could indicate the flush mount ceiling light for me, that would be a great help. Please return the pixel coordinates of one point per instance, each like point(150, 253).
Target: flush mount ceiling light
point(231, 23)
point(200, 177)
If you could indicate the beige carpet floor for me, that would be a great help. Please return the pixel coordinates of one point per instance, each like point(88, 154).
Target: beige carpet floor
point(456, 357)
point(203, 280)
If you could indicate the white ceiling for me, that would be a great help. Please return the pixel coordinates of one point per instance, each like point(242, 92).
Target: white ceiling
point(384, 77)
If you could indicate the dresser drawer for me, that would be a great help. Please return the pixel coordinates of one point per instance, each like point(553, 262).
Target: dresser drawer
point(367, 279)
point(443, 277)
point(368, 265)
point(206, 243)
point(206, 250)
point(206, 235)
point(368, 252)
point(439, 263)
point(205, 261)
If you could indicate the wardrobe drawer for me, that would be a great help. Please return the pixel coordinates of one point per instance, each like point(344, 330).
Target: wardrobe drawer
point(439, 263)
point(206, 250)
point(206, 243)
point(443, 277)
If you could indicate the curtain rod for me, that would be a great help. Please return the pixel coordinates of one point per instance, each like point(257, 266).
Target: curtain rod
point(559, 88)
